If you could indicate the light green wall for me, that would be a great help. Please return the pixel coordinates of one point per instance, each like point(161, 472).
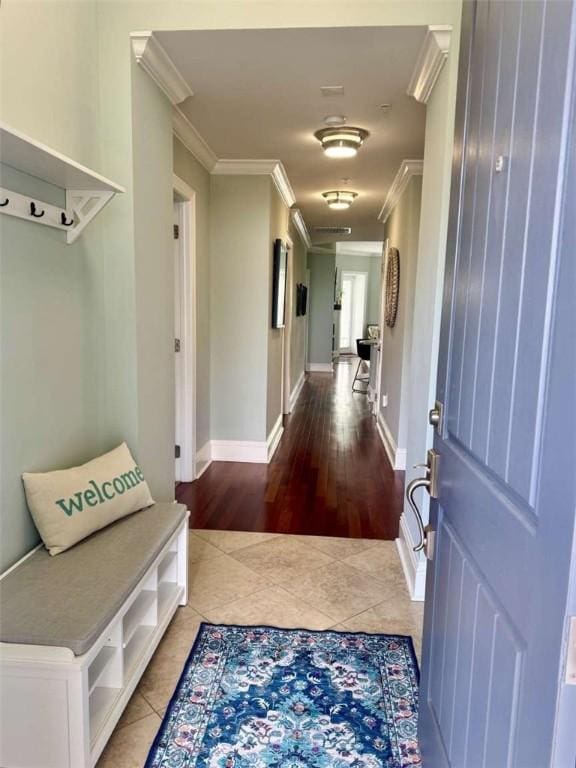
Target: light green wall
point(197, 177)
point(298, 333)
point(48, 415)
point(239, 256)
point(278, 229)
point(154, 279)
point(401, 229)
point(67, 78)
point(321, 307)
point(430, 269)
point(49, 73)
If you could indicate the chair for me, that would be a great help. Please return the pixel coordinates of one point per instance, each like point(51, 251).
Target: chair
point(363, 352)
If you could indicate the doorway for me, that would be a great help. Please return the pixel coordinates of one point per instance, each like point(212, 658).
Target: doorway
point(287, 332)
point(353, 312)
point(184, 219)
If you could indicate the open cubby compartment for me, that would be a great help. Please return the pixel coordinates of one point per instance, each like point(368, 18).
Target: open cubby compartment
point(105, 679)
point(168, 567)
point(142, 613)
point(101, 705)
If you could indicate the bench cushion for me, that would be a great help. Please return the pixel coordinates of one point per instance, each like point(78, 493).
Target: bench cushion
point(68, 601)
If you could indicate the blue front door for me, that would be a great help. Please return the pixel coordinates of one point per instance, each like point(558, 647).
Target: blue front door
point(495, 623)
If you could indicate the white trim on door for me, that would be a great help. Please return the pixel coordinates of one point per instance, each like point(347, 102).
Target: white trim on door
point(288, 326)
point(186, 196)
point(413, 563)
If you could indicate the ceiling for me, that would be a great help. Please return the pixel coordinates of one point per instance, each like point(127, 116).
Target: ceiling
point(257, 96)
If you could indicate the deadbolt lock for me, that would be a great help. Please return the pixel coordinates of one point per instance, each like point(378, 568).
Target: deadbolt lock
point(435, 416)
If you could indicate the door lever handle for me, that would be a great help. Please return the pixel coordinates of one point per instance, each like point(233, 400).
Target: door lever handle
point(418, 482)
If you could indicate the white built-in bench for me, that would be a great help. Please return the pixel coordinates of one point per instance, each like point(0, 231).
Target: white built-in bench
point(77, 631)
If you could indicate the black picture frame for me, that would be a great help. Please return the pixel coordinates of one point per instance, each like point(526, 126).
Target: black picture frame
point(279, 272)
point(304, 299)
point(299, 299)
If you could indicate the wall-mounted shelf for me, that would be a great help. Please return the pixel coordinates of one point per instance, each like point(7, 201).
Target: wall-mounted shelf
point(87, 192)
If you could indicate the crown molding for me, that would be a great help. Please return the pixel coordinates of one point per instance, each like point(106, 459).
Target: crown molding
point(300, 224)
point(408, 168)
point(273, 168)
point(155, 61)
point(433, 54)
point(194, 143)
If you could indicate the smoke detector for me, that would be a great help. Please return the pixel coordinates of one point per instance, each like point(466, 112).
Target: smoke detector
point(335, 120)
point(332, 90)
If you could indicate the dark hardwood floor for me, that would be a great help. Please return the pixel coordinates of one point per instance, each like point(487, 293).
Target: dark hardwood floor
point(329, 477)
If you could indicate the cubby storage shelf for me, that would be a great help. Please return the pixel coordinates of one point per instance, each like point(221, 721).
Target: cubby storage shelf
point(87, 192)
point(167, 594)
point(100, 705)
point(166, 569)
point(136, 615)
point(85, 696)
point(99, 665)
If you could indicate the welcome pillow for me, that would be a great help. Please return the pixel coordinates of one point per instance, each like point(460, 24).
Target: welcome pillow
point(70, 504)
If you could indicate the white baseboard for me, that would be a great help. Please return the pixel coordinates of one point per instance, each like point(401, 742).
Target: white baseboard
point(274, 438)
point(413, 563)
point(203, 459)
point(320, 367)
point(251, 451)
point(295, 394)
point(396, 456)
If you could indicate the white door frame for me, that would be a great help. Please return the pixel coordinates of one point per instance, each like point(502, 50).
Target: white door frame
point(186, 197)
point(287, 333)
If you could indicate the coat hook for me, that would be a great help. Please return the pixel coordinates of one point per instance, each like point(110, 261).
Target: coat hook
point(4, 203)
point(63, 220)
point(33, 211)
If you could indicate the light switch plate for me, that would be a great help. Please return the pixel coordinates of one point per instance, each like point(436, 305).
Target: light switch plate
point(384, 401)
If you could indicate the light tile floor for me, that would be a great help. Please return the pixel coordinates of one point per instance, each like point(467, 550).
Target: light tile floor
point(259, 578)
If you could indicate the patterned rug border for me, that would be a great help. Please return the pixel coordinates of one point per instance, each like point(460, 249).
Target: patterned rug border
point(206, 624)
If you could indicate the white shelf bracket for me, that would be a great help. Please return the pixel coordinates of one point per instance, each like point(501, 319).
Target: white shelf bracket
point(85, 205)
point(87, 192)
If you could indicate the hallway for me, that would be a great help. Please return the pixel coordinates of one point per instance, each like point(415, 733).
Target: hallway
point(329, 476)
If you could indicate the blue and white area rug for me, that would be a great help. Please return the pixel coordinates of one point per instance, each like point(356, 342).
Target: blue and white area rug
point(261, 697)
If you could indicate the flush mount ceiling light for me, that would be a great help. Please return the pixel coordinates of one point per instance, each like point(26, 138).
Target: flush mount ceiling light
point(339, 200)
point(341, 142)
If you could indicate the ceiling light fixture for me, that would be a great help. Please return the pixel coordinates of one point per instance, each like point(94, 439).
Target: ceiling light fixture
point(341, 142)
point(339, 200)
